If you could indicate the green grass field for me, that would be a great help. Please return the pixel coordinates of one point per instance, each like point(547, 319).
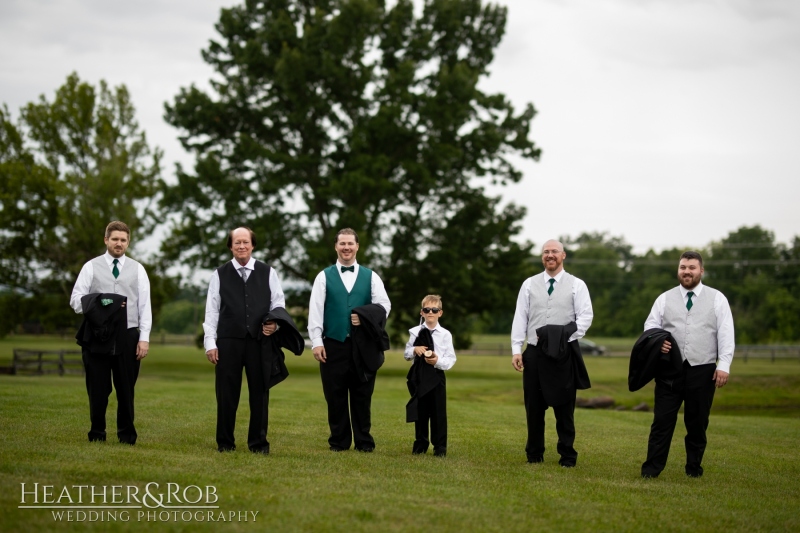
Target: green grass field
point(484, 484)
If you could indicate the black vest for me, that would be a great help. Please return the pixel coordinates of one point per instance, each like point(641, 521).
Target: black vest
point(242, 305)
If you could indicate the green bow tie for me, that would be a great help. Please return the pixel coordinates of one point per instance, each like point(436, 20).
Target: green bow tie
point(351, 268)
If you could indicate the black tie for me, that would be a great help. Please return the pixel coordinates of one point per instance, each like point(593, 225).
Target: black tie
point(550, 290)
point(351, 268)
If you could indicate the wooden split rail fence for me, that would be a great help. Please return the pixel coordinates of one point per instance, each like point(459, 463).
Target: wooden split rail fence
point(39, 362)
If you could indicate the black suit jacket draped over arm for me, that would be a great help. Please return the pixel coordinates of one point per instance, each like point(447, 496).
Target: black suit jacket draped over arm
point(422, 377)
point(105, 322)
point(647, 362)
point(370, 340)
point(273, 362)
point(560, 364)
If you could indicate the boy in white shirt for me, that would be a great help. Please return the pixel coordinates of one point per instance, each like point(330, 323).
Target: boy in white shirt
point(430, 346)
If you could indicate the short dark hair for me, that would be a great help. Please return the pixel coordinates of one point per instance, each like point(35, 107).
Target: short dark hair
point(252, 236)
point(345, 231)
point(692, 255)
point(116, 225)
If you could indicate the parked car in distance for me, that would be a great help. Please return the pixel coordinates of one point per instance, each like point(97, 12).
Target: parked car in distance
point(588, 347)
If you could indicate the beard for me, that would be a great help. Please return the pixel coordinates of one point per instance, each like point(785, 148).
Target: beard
point(689, 281)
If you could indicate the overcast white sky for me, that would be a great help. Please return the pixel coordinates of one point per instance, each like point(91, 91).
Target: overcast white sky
point(667, 122)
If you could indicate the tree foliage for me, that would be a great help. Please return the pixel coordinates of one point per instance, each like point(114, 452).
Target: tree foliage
point(347, 113)
point(760, 278)
point(67, 168)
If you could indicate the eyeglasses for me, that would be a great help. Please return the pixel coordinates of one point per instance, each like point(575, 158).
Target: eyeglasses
point(427, 310)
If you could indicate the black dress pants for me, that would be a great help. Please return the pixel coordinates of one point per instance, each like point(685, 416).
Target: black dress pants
point(340, 383)
point(235, 354)
point(694, 388)
point(432, 409)
point(123, 369)
point(535, 407)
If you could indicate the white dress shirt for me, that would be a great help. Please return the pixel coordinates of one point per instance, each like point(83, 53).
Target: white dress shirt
point(442, 342)
point(84, 284)
point(581, 302)
point(722, 310)
point(277, 299)
point(316, 306)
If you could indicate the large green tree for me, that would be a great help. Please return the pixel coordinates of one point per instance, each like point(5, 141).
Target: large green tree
point(67, 168)
point(760, 279)
point(332, 113)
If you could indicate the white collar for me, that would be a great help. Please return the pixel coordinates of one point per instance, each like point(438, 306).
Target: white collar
point(697, 290)
point(557, 277)
point(110, 259)
point(339, 266)
point(250, 265)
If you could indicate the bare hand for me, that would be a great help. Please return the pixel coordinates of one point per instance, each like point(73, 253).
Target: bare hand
point(269, 328)
point(141, 350)
point(666, 347)
point(213, 356)
point(720, 378)
point(516, 362)
point(419, 350)
point(432, 359)
point(355, 320)
point(319, 354)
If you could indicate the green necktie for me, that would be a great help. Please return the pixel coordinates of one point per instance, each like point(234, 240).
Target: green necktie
point(689, 303)
point(115, 270)
point(550, 290)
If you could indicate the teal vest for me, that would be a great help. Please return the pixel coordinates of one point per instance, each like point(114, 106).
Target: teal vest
point(339, 303)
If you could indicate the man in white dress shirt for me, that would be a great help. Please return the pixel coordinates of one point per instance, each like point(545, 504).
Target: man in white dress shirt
point(337, 290)
point(114, 272)
point(240, 295)
point(553, 297)
point(699, 319)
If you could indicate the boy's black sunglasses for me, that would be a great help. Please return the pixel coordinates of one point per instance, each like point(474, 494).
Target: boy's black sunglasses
point(430, 310)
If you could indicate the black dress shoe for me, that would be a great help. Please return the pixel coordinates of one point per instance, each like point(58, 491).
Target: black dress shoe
point(439, 453)
point(223, 449)
point(649, 476)
point(263, 451)
point(535, 459)
point(337, 449)
point(694, 474)
point(366, 449)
